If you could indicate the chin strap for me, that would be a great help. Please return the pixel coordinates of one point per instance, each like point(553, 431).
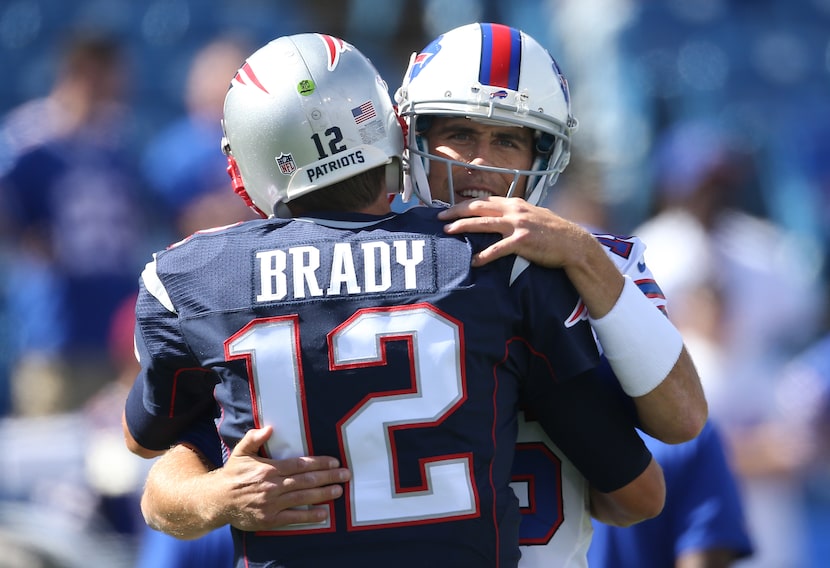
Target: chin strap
point(555, 158)
point(239, 187)
point(415, 179)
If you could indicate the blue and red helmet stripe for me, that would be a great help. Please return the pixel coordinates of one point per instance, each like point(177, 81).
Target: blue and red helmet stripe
point(501, 56)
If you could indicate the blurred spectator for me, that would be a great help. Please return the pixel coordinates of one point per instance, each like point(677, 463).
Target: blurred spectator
point(112, 472)
point(791, 449)
point(702, 523)
point(184, 162)
point(160, 550)
point(745, 297)
point(76, 230)
point(187, 169)
point(707, 250)
point(70, 489)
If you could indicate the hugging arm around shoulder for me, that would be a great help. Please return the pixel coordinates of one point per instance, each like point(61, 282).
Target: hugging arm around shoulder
point(595, 429)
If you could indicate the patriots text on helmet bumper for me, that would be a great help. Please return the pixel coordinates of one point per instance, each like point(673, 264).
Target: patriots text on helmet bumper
point(320, 170)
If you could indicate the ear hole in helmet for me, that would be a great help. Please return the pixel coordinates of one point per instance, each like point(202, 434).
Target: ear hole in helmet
point(549, 155)
point(393, 175)
point(422, 123)
point(544, 143)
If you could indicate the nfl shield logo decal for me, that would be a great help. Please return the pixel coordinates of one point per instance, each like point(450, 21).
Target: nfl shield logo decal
point(286, 163)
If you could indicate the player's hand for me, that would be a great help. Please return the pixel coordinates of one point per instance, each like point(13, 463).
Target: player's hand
point(186, 496)
point(535, 233)
point(265, 493)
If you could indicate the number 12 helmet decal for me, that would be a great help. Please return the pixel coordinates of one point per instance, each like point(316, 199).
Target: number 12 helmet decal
point(304, 112)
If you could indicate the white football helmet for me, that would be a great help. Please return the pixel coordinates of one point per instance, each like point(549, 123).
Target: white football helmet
point(492, 73)
point(304, 112)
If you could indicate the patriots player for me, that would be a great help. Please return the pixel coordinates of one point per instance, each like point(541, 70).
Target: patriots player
point(489, 130)
point(334, 327)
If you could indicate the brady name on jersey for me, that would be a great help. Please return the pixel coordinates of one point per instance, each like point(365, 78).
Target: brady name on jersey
point(344, 268)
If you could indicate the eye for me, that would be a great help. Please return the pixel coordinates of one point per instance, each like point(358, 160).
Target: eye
point(507, 142)
point(511, 140)
point(459, 135)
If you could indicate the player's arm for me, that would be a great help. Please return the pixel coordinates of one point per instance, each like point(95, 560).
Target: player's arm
point(133, 445)
point(592, 426)
point(149, 435)
point(652, 365)
point(637, 501)
point(171, 399)
point(712, 558)
point(186, 496)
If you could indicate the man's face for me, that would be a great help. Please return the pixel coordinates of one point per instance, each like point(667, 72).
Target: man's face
point(476, 143)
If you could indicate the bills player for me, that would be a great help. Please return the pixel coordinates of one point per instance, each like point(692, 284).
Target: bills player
point(355, 332)
point(489, 121)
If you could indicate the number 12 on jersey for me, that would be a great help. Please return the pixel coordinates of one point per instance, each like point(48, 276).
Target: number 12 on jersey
point(271, 349)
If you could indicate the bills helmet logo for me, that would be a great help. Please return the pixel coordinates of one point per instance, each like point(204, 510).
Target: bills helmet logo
point(423, 58)
point(286, 163)
point(563, 82)
point(501, 94)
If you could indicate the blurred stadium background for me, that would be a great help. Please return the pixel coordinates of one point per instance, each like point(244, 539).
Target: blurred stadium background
point(759, 68)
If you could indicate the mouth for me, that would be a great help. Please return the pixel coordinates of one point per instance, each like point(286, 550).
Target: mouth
point(473, 193)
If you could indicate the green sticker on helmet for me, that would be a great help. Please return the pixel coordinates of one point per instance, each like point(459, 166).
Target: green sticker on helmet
point(306, 87)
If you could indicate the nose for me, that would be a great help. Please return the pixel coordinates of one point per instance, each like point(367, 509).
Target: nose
point(479, 155)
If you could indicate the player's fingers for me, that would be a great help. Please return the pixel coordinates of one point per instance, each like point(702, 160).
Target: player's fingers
point(495, 251)
point(301, 516)
point(253, 440)
point(479, 207)
point(456, 211)
point(292, 466)
point(314, 496)
point(478, 225)
point(315, 478)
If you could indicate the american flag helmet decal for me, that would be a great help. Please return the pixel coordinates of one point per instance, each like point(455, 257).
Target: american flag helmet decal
point(364, 112)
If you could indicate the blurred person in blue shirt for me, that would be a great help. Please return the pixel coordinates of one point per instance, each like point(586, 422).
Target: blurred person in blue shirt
point(184, 163)
point(75, 226)
point(702, 523)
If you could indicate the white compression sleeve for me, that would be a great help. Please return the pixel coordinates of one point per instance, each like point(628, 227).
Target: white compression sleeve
point(639, 341)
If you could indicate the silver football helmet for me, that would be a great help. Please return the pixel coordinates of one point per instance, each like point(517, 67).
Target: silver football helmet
point(492, 73)
point(304, 112)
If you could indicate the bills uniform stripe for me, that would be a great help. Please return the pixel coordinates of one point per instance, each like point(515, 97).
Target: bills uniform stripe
point(501, 55)
point(650, 288)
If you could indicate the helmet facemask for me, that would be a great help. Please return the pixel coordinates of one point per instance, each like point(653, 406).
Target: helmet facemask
point(445, 80)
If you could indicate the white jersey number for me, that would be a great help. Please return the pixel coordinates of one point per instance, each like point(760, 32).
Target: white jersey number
point(376, 498)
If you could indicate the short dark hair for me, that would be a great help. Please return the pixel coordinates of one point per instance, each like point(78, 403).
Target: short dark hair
point(351, 194)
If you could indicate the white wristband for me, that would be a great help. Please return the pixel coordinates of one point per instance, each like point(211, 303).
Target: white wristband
point(639, 341)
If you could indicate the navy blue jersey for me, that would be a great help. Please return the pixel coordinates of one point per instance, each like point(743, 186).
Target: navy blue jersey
point(372, 340)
